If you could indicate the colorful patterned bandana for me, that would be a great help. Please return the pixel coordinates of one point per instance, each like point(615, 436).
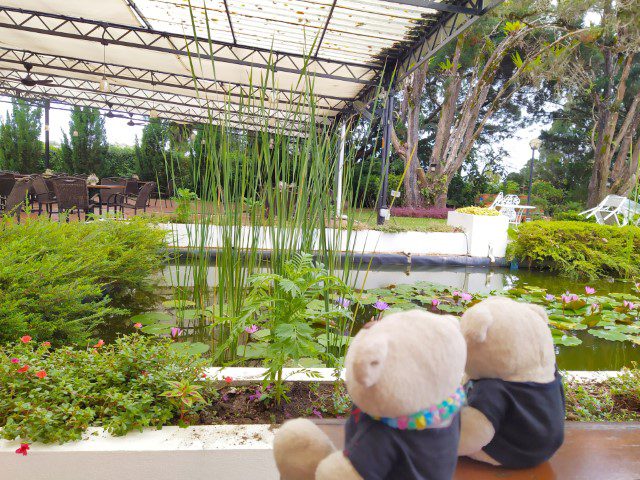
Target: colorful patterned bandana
point(434, 416)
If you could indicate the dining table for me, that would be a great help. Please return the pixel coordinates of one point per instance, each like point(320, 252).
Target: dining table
point(96, 189)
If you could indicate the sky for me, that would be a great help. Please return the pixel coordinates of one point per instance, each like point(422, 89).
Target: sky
point(118, 132)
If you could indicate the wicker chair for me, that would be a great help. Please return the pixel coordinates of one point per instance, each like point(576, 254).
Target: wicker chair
point(107, 197)
point(41, 194)
point(140, 203)
point(6, 185)
point(17, 198)
point(72, 196)
point(132, 189)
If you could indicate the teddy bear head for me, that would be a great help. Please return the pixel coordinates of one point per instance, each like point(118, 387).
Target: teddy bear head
point(508, 340)
point(405, 363)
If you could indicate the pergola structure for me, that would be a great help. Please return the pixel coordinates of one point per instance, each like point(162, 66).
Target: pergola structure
point(197, 61)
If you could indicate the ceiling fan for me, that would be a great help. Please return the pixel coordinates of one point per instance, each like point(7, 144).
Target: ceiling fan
point(110, 113)
point(131, 123)
point(29, 81)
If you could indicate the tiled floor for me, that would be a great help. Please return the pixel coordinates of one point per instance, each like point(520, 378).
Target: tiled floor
point(158, 208)
point(591, 451)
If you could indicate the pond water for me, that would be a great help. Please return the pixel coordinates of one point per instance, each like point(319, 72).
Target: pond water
point(593, 354)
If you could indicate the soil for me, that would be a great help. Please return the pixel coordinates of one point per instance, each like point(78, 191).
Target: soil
point(243, 404)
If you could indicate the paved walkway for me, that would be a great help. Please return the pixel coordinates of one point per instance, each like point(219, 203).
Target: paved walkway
point(591, 451)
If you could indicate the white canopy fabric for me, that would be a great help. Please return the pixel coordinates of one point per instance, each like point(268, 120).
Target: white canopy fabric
point(198, 61)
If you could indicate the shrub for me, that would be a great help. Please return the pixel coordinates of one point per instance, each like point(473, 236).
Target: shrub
point(122, 386)
point(578, 249)
point(60, 280)
point(430, 212)
point(573, 216)
point(488, 212)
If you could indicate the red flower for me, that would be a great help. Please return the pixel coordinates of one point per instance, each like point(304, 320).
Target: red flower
point(24, 448)
point(204, 375)
point(25, 339)
point(228, 379)
point(137, 325)
point(99, 344)
point(23, 369)
point(41, 374)
point(46, 344)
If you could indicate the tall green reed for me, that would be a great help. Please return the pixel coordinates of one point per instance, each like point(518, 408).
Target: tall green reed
point(265, 179)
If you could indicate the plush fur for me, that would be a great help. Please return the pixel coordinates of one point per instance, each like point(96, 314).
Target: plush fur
point(398, 366)
point(506, 340)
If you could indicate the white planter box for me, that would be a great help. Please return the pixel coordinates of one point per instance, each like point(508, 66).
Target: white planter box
point(229, 452)
point(486, 236)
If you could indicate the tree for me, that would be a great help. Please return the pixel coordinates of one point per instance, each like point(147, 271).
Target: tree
point(150, 154)
point(490, 64)
point(20, 147)
point(610, 66)
point(84, 150)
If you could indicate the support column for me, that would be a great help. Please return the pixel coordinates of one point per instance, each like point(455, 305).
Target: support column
point(46, 134)
point(340, 169)
point(387, 125)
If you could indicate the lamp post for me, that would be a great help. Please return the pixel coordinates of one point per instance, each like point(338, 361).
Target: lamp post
point(535, 145)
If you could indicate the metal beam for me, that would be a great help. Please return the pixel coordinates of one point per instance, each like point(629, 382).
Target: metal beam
point(189, 85)
point(387, 125)
point(183, 45)
point(324, 29)
point(461, 7)
point(159, 98)
point(233, 34)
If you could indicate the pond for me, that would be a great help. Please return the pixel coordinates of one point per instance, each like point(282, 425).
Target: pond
point(592, 354)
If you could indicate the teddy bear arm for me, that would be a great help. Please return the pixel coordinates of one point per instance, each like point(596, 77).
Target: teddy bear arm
point(298, 447)
point(336, 467)
point(476, 431)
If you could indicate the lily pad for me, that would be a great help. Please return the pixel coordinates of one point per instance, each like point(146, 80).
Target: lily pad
point(611, 335)
point(149, 318)
point(157, 329)
point(190, 348)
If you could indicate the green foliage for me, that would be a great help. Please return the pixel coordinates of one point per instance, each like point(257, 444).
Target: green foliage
point(487, 212)
point(150, 154)
point(287, 306)
point(20, 147)
point(59, 281)
point(135, 382)
point(119, 161)
point(578, 249)
point(184, 198)
point(85, 152)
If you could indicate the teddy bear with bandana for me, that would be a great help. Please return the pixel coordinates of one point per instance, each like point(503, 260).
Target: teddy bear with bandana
point(403, 374)
point(516, 409)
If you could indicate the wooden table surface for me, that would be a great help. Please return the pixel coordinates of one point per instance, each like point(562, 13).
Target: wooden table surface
point(591, 451)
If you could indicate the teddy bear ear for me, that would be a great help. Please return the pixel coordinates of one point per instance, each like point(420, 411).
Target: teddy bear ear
point(540, 311)
point(477, 327)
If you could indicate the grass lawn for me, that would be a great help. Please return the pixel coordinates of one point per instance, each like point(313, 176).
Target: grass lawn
point(368, 219)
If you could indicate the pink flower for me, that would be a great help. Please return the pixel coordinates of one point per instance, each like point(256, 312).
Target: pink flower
point(175, 332)
point(435, 302)
point(466, 297)
point(569, 297)
point(589, 290)
point(99, 344)
point(24, 448)
point(380, 305)
point(15, 360)
point(25, 339)
point(317, 412)
point(343, 302)
point(137, 325)
point(629, 305)
point(41, 374)
point(228, 379)
point(550, 298)
point(251, 329)
point(46, 344)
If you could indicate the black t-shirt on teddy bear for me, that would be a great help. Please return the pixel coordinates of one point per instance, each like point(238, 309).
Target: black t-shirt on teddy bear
point(380, 452)
point(528, 418)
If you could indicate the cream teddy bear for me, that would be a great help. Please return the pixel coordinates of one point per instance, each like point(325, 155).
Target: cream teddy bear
point(515, 413)
point(404, 376)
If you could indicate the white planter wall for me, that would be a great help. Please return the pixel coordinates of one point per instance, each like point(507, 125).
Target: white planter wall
point(487, 235)
point(361, 241)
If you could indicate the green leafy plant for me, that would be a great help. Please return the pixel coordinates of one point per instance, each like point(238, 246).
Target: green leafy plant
point(487, 212)
point(184, 198)
point(54, 395)
point(62, 281)
point(578, 249)
point(291, 308)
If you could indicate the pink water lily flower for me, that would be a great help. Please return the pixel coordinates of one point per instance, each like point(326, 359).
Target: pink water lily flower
point(549, 297)
point(343, 302)
point(569, 297)
point(137, 325)
point(380, 305)
point(466, 297)
point(175, 332)
point(589, 290)
point(629, 305)
point(435, 302)
point(251, 329)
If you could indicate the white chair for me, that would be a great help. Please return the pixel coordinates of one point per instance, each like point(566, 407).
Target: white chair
point(509, 206)
point(612, 210)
